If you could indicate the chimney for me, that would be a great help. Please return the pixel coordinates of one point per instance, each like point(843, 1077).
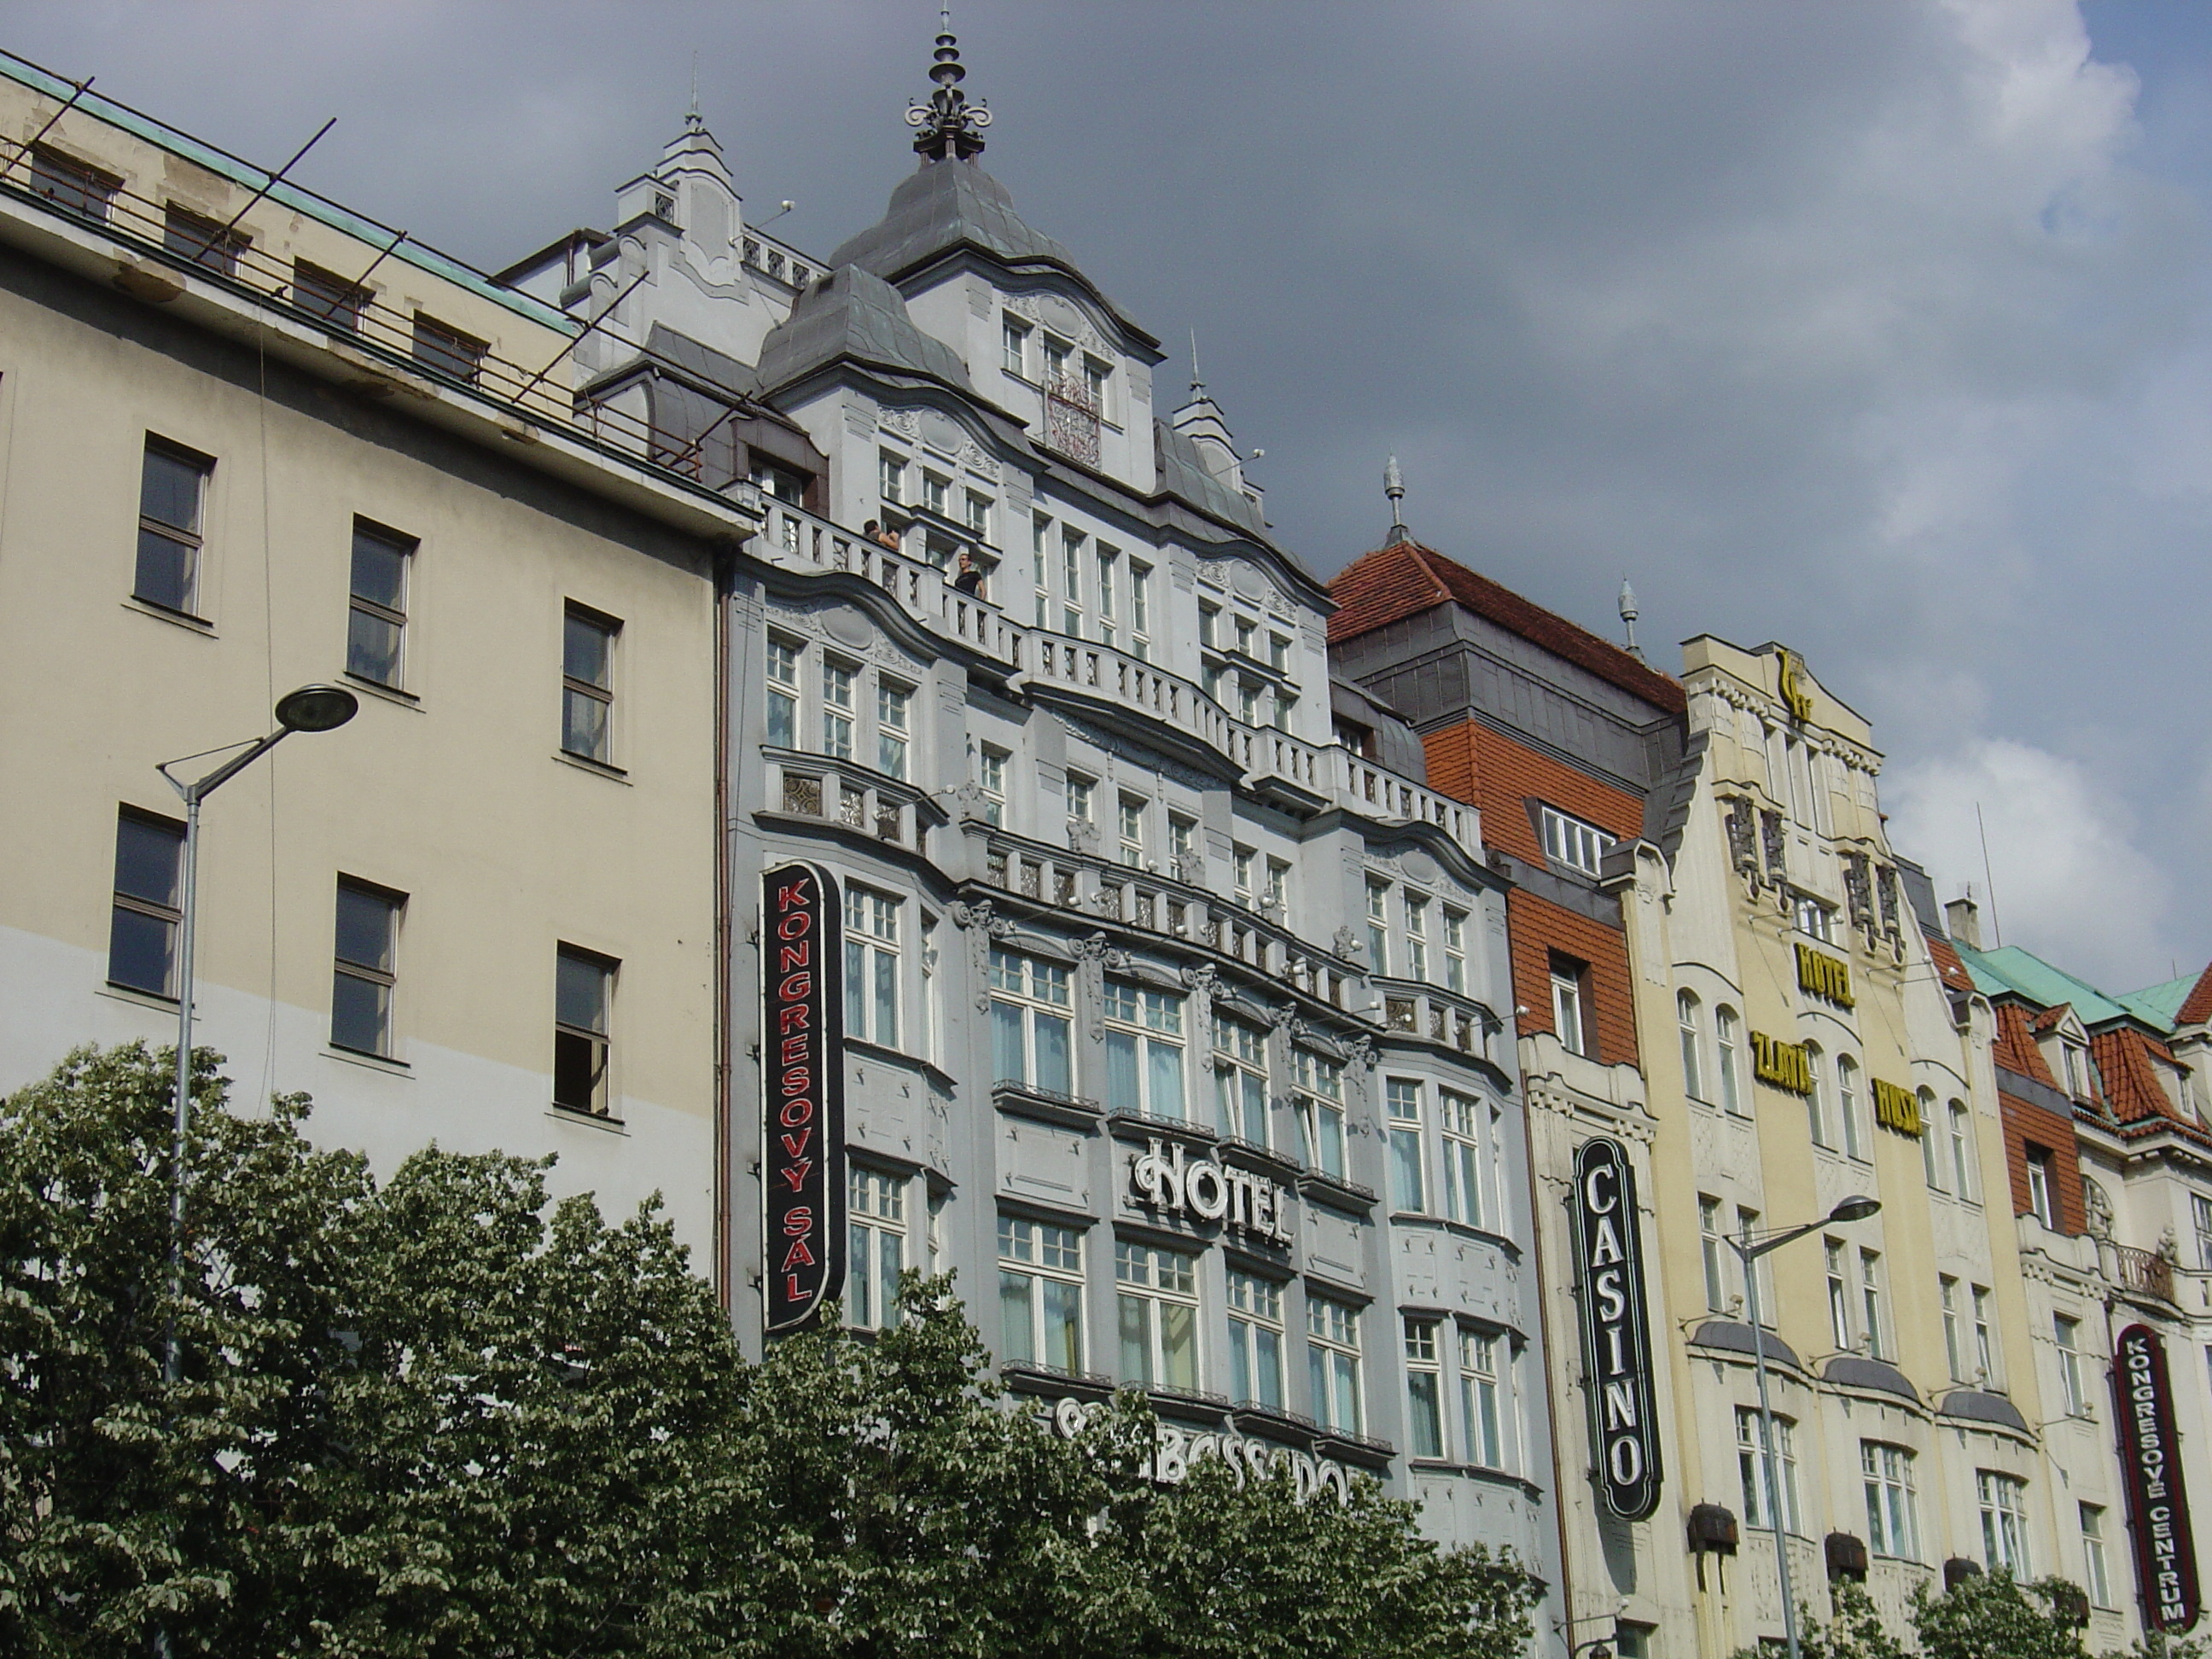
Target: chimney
point(1964, 918)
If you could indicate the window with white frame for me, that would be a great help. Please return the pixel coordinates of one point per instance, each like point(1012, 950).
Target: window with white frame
point(2096, 1571)
point(1030, 1022)
point(1455, 950)
point(1141, 611)
point(1321, 1109)
point(1041, 1293)
point(1240, 1079)
point(893, 707)
point(1762, 1503)
point(1182, 838)
point(1156, 1300)
point(1725, 1054)
point(1985, 1347)
point(1569, 1020)
point(1013, 346)
point(1080, 791)
point(1816, 1098)
point(936, 491)
point(1711, 1241)
point(976, 512)
point(837, 683)
point(1839, 1294)
point(1279, 652)
point(1378, 928)
point(1760, 1277)
point(1109, 593)
point(1816, 920)
point(991, 779)
point(1847, 1105)
point(1072, 542)
point(1466, 1181)
point(1570, 842)
point(782, 693)
point(2002, 1500)
point(875, 1208)
point(1332, 1363)
point(2067, 1333)
point(1954, 1335)
point(1482, 1419)
point(1892, 1504)
point(1144, 1050)
point(1870, 1304)
point(1040, 540)
point(1131, 823)
point(1255, 1340)
point(1931, 1143)
point(1690, 1027)
point(2076, 1058)
point(2200, 1210)
point(1962, 1150)
point(872, 953)
point(1417, 937)
point(1425, 1383)
point(1408, 1190)
point(890, 476)
point(1244, 863)
point(2042, 1196)
point(1275, 896)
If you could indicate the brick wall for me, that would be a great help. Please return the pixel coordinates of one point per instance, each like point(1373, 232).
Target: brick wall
point(1472, 763)
point(1536, 927)
point(2027, 1124)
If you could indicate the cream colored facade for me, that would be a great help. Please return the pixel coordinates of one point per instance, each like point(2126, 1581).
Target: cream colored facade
point(1774, 863)
point(451, 787)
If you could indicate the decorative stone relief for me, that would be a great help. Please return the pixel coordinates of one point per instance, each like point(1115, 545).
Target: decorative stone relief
point(906, 422)
point(1083, 837)
point(1093, 956)
point(941, 433)
point(1348, 944)
point(982, 926)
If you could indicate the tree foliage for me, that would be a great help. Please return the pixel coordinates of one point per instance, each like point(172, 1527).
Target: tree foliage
point(438, 1416)
point(1984, 1616)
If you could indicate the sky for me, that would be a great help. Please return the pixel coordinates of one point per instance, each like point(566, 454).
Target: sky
point(1883, 330)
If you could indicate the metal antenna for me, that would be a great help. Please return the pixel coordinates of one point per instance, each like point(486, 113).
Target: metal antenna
point(1394, 486)
point(692, 119)
point(1628, 616)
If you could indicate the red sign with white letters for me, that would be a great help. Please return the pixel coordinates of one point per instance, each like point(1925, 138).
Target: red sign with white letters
point(803, 1114)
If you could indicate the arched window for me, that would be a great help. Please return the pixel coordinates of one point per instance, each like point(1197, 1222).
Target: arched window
point(1847, 1103)
point(1725, 1041)
point(1816, 1102)
point(1694, 1045)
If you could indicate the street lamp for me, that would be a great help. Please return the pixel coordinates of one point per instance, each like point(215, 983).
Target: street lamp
point(310, 708)
point(1851, 1209)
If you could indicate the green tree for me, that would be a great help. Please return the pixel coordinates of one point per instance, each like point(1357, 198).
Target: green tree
point(1857, 1630)
point(1993, 1616)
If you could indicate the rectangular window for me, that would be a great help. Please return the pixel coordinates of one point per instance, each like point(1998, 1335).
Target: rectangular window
point(782, 695)
point(1156, 1298)
point(2096, 1572)
point(376, 622)
point(71, 183)
point(1246, 630)
point(1762, 1503)
point(1817, 919)
point(1692, 1044)
point(1079, 797)
point(2067, 1332)
point(2003, 1499)
point(1144, 1050)
point(935, 493)
point(1425, 1419)
point(1244, 863)
point(893, 703)
point(1816, 1098)
point(1109, 567)
point(1013, 346)
point(172, 495)
point(991, 779)
point(1839, 1295)
point(1417, 937)
point(837, 707)
point(1954, 1337)
point(141, 929)
point(1931, 1149)
point(1847, 1104)
point(875, 1228)
point(2200, 1209)
point(1455, 951)
point(1255, 1340)
point(1279, 652)
point(1321, 1109)
point(891, 477)
point(1962, 1151)
point(1725, 1046)
point(976, 512)
point(583, 995)
point(1041, 1293)
point(1465, 1181)
point(1870, 1299)
point(1240, 1079)
point(1040, 531)
point(1071, 582)
point(1332, 1363)
point(1985, 1353)
point(328, 297)
point(2042, 1201)
point(1570, 842)
point(1569, 1021)
point(1892, 1507)
point(1131, 823)
point(203, 241)
point(362, 987)
point(1275, 896)
point(1378, 930)
point(1209, 626)
point(446, 351)
point(1481, 1421)
point(1759, 1282)
point(1712, 1242)
point(588, 685)
point(1030, 1019)
point(1141, 611)
point(1408, 1192)
point(871, 949)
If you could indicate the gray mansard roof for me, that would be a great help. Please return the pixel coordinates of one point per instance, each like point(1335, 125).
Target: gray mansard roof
point(1184, 473)
point(855, 314)
point(946, 205)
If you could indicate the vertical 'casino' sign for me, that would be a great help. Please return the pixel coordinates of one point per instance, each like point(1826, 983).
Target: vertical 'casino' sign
point(2158, 1506)
point(802, 1119)
point(1616, 1331)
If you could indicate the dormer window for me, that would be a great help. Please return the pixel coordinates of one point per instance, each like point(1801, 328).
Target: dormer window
point(2077, 1070)
point(1570, 842)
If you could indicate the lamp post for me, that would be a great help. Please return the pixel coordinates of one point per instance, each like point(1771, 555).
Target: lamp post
point(310, 708)
point(1851, 1209)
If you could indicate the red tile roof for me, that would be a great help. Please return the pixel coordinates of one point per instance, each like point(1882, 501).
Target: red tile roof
point(2127, 1060)
point(2050, 1017)
point(1952, 971)
point(2014, 1047)
point(1405, 579)
point(2197, 1007)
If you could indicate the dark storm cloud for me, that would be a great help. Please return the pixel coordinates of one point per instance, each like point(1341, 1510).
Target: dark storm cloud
point(1852, 326)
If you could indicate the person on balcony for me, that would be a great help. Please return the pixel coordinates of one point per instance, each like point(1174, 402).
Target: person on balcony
point(969, 580)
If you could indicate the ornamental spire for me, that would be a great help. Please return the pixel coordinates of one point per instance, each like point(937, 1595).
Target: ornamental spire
point(949, 129)
point(1394, 486)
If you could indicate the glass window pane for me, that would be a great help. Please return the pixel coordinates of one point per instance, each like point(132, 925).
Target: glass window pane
point(576, 1069)
point(1136, 1321)
point(585, 650)
point(364, 930)
point(1165, 1080)
point(1008, 1056)
point(149, 860)
point(1268, 1366)
point(890, 1261)
point(169, 491)
point(583, 724)
point(380, 570)
point(1053, 1068)
point(372, 646)
point(580, 993)
point(887, 1022)
point(141, 952)
point(1063, 1325)
point(1427, 1424)
point(1016, 1338)
point(861, 1306)
point(1178, 1345)
point(361, 1014)
point(1122, 1094)
point(164, 574)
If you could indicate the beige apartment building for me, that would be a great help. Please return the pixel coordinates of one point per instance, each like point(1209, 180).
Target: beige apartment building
point(1809, 1044)
point(250, 439)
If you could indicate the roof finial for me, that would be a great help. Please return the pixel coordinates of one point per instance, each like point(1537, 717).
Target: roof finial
point(692, 120)
point(949, 129)
point(1394, 486)
point(1197, 384)
point(1628, 616)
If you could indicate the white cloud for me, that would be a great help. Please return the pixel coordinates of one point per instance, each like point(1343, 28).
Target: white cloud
point(2069, 882)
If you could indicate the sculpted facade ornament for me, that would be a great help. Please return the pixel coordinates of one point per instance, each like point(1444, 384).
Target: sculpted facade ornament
point(982, 926)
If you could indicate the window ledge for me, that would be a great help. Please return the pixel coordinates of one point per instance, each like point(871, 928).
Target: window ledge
point(597, 768)
point(183, 619)
point(383, 1063)
point(131, 994)
point(613, 1126)
point(378, 688)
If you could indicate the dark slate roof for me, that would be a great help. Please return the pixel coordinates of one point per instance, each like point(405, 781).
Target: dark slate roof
point(1854, 1372)
point(1183, 474)
point(944, 205)
point(1982, 1408)
point(854, 315)
point(1736, 1334)
point(709, 365)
